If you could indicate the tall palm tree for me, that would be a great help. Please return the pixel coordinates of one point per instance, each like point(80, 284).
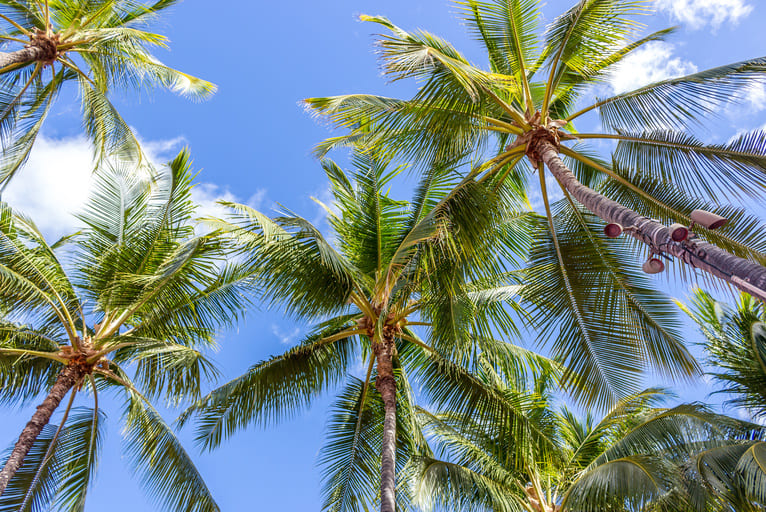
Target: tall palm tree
point(528, 101)
point(396, 270)
point(632, 459)
point(101, 46)
point(736, 345)
point(603, 317)
point(124, 306)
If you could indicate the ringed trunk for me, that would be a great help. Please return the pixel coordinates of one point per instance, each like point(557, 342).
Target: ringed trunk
point(22, 56)
point(386, 385)
point(744, 274)
point(65, 381)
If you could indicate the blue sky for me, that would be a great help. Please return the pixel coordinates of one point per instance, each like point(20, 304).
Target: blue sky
point(252, 142)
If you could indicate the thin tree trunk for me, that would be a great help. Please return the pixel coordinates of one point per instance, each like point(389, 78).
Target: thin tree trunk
point(745, 275)
point(386, 385)
point(24, 55)
point(65, 381)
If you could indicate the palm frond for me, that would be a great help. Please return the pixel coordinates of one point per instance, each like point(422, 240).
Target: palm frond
point(734, 168)
point(165, 469)
point(612, 324)
point(351, 456)
point(62, 478)
point(588, 33)
point(273, 389)
point(683, 101)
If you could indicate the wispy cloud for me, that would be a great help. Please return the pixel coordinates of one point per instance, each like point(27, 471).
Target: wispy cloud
point(697, 14)
point(285, 337)
point(207, 195)
point(55, 183)
point(651, 63)
point(755, 96)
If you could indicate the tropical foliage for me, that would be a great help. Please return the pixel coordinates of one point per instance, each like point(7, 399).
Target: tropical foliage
point(637, 457)
point(101, 46)
point(125, 307)
point(524, 107)
point(736, 344)
point(409, 291)
point(407, 302)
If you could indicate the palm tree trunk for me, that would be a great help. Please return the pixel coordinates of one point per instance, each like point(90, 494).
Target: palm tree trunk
point(386, 385)
point(745, 275)
point(65, 381)
point(22, 56)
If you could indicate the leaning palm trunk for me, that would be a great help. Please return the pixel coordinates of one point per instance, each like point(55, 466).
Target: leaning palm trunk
point(66, 380)
point(23, 56)
point(386, 385)
point(745, 275)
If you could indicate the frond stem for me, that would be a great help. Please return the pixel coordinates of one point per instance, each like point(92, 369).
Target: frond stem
point(14, 39)
point(506, 127)
point(18, 27)
point(66, 62)
point(515, 115)
point(34, 353)
point(17, 98)
point(417, 342)
point(644, 140)
point(508, 157)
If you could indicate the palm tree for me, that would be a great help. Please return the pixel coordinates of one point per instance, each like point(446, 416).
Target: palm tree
point(605, 320)
point(101, 46)
point(395, 269)
point(530, 98)
point(736, 344)
point(140, 289)
point(632, 459)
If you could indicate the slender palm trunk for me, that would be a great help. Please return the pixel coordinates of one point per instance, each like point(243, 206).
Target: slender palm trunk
point(22, 56)
point(386, 385)
point(745, 275)
point(65, 381)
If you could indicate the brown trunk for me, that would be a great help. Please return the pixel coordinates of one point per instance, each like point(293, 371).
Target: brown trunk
point(22, 56)
point(386, 385)
point(66, 380)
point(745, 275)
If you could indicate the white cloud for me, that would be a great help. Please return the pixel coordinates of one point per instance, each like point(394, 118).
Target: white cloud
point(698, 13)
point(206, 195)
point(651, 63)
point(755, 96)
point(162, 150)
point(285, 338)
point(54, 184)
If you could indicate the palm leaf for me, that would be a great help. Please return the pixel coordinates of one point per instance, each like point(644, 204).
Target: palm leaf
point(165, 469)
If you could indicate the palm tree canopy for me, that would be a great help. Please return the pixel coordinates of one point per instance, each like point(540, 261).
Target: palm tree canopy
point(101, 46)
point(133, 299)
point(537, 79)
point(736, 344)
point(605, 319)
point(631, 459)
point(736, 347)
point(421, 272)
